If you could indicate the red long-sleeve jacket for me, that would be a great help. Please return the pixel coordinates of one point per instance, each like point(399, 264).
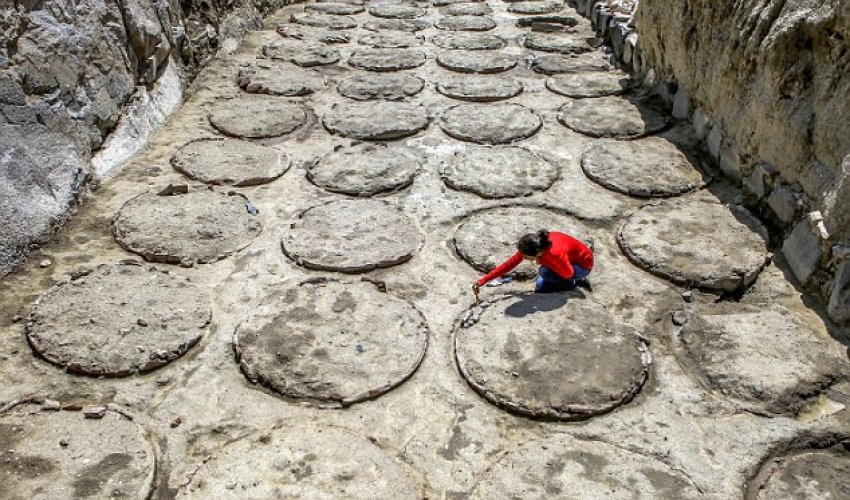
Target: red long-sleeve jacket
point(559, 257)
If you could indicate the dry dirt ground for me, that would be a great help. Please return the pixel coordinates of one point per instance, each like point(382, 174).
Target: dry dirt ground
point(300, 323)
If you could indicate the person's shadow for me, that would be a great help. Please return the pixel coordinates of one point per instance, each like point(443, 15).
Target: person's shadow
point(531, 303)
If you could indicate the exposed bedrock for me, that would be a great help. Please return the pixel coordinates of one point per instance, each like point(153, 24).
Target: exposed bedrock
point(70, 71)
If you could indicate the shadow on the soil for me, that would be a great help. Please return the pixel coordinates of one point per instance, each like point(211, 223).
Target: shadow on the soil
point(541, 302)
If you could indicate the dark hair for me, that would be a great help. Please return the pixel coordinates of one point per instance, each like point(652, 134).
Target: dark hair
point(534, 243)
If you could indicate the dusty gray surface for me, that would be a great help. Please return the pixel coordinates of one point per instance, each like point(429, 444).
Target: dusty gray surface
point(230, 161)
point(652, 166)
point(324, 21)
point(804, 475)
point(463, 61)
point(614, 117)
point(467, 9)
point(536, 7)
point(556, 356)
point(696, 242)
point(589, 83)
point(552, 64)
point(493, 124)
point(305, 54)
point(304, 461)
point(562, 43)
point(366, 169)
point(257, 117)
point(479, 88)
point(487, 238)
point(498, 172)
point(338, 9)
point(105, 458)
point(202, 226)
point(265, 77)
point(351, 236)
point(465, 23)
point(386, 59)
point(293, 343)
point(378, 121)
point(400, 40)
point(745, 355)
point(389, 86)
point(117, 320)
point(468, 41)
point(397, 11)
point(404, 25)
point(565, 467)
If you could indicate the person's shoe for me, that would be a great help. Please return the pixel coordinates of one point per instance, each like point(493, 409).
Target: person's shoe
point(584, 283)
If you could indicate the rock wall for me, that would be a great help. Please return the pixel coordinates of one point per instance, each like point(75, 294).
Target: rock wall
point(69, 71)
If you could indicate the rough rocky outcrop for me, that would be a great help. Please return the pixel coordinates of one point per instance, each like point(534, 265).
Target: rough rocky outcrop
point(68, 70)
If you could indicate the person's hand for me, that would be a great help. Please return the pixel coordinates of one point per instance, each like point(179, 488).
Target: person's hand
point(475, 289)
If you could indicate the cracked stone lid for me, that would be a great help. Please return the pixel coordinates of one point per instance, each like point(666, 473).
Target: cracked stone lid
point(304, 54)
point(498, 172)
point(743, 353)
point(479, 88)
point(337, 9)
point(256, 116)
point(804, 474)
point(468, 9)
point(352, 236)
point(386, 59)
point(62, 454)
point(334, 22)
point(200, 226)
point(555, 356)
point(375, 121)
point(406, 25)
point(366, 169)
point(614, 117)
point(696, 242)
point(652, 166)
point(118, 319)
point(487, 238)
point(443, 3)
point(400, 40)
point(230, 161)
point(463, 61)
point(397, 11)
point(266, 77)
point(537, 7)
point(563, 43)
point(565, 467)
point(490, 124)
point(465, 23)
point(589, 83)
point(303, 461)
point(330, 343)
point(389, 86)
point(468, 41)
point(552, 64)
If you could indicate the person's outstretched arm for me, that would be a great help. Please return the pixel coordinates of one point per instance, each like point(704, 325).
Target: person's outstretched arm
point(505, 267)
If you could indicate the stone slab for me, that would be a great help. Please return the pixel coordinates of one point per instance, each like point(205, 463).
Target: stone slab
point(465, 23)
point(279, 79)
point(589, 83)
point(397, 11)
point(552, 64)
point(337, 9)
point(498, 172)
point(324, 21)
point(614, 117)
point(468, 9)
point(536, 7)
point(468, 41)
point(230, 161)
point(805, 474)
point(378, 121)
point(306, 54)
point(480, 88)
point(405, 25)
point(366, 169)
point(484, 62)
point(386, 59)
point(802, 250)
point(392, 40)
point(389, 86)
point(562, 43)
point(490, 124)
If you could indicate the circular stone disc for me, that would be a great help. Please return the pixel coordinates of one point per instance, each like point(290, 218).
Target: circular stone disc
point(556, 356)
point(109, 457)
point(389, 86)
point(324, 21)
point(696, 243)
point(279, 79)
point(443, 3)
point(563, 43)
point(480, 88)
point(343, 342)
point(302, 54)
point(406, 25)
point(490, 124)
point(745, 356)
point(347, 2)
point(301, 32)
point(552, 64)
point(564, 467)
point(375, 121)
point(535, 7)
point(487, 238)
point(498, 172)
point(468, 9)
point(391, 40)
point(813, 474)
point(256, 117)
point(200, 226)
point(589, 83)
point(463, 61)
point(338, 9)
point(468, 41)
point(366, 169)
point(386, 59)
point(352, 236)
point(118, 319)
point(652, 166)
point(397, 11)
point(465, 23)
point(304, 461)
point(614, 117)
point(230, 161)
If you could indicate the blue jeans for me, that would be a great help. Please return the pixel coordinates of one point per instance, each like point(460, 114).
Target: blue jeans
point(549, 281)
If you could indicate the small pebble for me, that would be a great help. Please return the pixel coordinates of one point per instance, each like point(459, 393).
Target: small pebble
point(16, 318)
point(176, 422)
point(45, 263)
point(51, 405)
point(141, 322)
point(688, 296)
point(94, 411)
point(680, 317)
point(63, 443)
